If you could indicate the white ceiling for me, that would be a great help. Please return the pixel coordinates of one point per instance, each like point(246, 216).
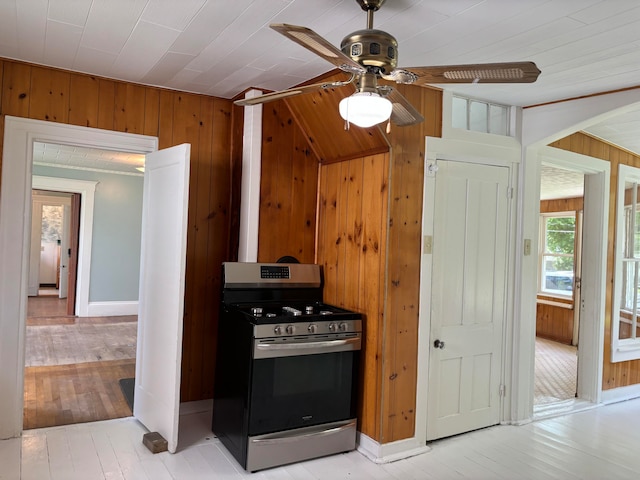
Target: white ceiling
point(557, 182)
point(223, 47)
point(81, 158)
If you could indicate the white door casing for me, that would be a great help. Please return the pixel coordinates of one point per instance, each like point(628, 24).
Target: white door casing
point(468, 296)
point(15, 231)
point(161, 301)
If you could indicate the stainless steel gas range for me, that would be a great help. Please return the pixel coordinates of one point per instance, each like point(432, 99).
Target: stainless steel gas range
point(286, 366)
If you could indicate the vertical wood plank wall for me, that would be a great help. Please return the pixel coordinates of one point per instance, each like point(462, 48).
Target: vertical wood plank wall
point(347, 218)
point(403, 270)
point(618, 374)
point(352, 233)
point(553, 322)
point(288, 188)
point(175, 117)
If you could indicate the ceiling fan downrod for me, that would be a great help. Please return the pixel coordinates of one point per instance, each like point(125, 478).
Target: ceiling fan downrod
point(370, 6)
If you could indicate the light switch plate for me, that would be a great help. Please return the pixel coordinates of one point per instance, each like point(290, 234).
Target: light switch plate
point(428, 244)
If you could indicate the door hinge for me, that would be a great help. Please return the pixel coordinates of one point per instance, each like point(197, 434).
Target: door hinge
point(502, 390)
point(510, 192)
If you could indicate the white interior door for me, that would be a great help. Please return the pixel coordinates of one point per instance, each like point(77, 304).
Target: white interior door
point(64, 252)
point(470, 231)
point(162, 273)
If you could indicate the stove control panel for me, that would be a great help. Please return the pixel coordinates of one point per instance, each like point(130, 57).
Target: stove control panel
point(301, 329)
point(271, 271)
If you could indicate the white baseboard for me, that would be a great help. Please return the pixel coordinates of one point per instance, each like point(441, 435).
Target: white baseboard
point(389, 452)
point(620, 394)
point(112, 309)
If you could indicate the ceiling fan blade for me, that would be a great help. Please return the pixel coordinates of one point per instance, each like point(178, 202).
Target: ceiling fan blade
point(403, 113)
point(270, 97)
point(318, 45)
point(509, 72)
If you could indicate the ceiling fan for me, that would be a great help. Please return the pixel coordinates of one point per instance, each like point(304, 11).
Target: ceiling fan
point(369, 55)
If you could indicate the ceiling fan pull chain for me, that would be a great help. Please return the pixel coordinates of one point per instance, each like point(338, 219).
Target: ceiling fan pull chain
point(389, 126)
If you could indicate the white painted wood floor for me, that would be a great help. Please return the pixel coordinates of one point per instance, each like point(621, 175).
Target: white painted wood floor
point(601, 443)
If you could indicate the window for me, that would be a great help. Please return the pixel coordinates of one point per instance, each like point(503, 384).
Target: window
point(626, 335)
point(480, 116)
point(557, 242)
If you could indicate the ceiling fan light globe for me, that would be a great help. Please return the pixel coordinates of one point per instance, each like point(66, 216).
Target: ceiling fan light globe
point(365, 109)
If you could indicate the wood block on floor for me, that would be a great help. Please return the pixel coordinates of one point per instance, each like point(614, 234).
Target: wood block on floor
point(154, 442)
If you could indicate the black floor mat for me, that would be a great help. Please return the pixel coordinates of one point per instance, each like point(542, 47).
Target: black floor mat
point(127, 385)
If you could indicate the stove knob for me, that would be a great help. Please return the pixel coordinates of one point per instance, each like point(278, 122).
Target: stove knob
point(333, 327)
point(277, 330)
point(313, 328)
point(290, 329)
point(343, 327)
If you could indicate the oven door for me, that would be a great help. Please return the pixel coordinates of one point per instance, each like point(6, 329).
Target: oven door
point(294, 391)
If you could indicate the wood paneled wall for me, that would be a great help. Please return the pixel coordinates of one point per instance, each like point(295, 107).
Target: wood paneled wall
point(403, 263)
point(553, 322)
point(349, 207)
point(352, 238)
point(369, 224)
point(174, 117)
point(288, 188)
point(618, 374)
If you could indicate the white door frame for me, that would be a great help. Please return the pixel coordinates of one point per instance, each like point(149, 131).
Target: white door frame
point(86, 189)
point(506, 153)
point(593, 285)
point(37, 203)
point(15, 227)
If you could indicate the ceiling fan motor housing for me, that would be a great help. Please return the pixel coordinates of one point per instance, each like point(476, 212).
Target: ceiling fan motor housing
point(373, 49)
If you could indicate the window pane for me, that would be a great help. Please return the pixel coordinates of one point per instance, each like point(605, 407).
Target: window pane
point(459, 113)
point(51, 223)
point(630, 291)
point(560, 235)
point(557, 275)
point(498, 116)
point(632, 222)
point(478, 116)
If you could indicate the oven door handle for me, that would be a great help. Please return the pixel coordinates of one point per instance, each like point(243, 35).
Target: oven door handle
point(273, 350)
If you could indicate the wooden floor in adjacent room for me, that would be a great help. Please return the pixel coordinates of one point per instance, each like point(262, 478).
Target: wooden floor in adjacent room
point(61, 393)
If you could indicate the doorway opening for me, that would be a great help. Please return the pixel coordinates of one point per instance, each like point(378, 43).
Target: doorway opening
point(15, 195)
point(72, 364)
point(78, 367)
point(570, 291)
point(558, 295)
point(55, 223)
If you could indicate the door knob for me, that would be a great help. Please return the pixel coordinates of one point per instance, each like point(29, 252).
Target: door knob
point(438, 344)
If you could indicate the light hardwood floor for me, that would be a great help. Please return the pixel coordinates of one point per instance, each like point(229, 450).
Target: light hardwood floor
point(601, 443)
point(556, 372)
point(77, 392)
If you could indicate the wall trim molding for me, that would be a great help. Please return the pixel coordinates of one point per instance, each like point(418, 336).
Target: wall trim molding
point(620, 394)
point(112, 309)
point(389, 452)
